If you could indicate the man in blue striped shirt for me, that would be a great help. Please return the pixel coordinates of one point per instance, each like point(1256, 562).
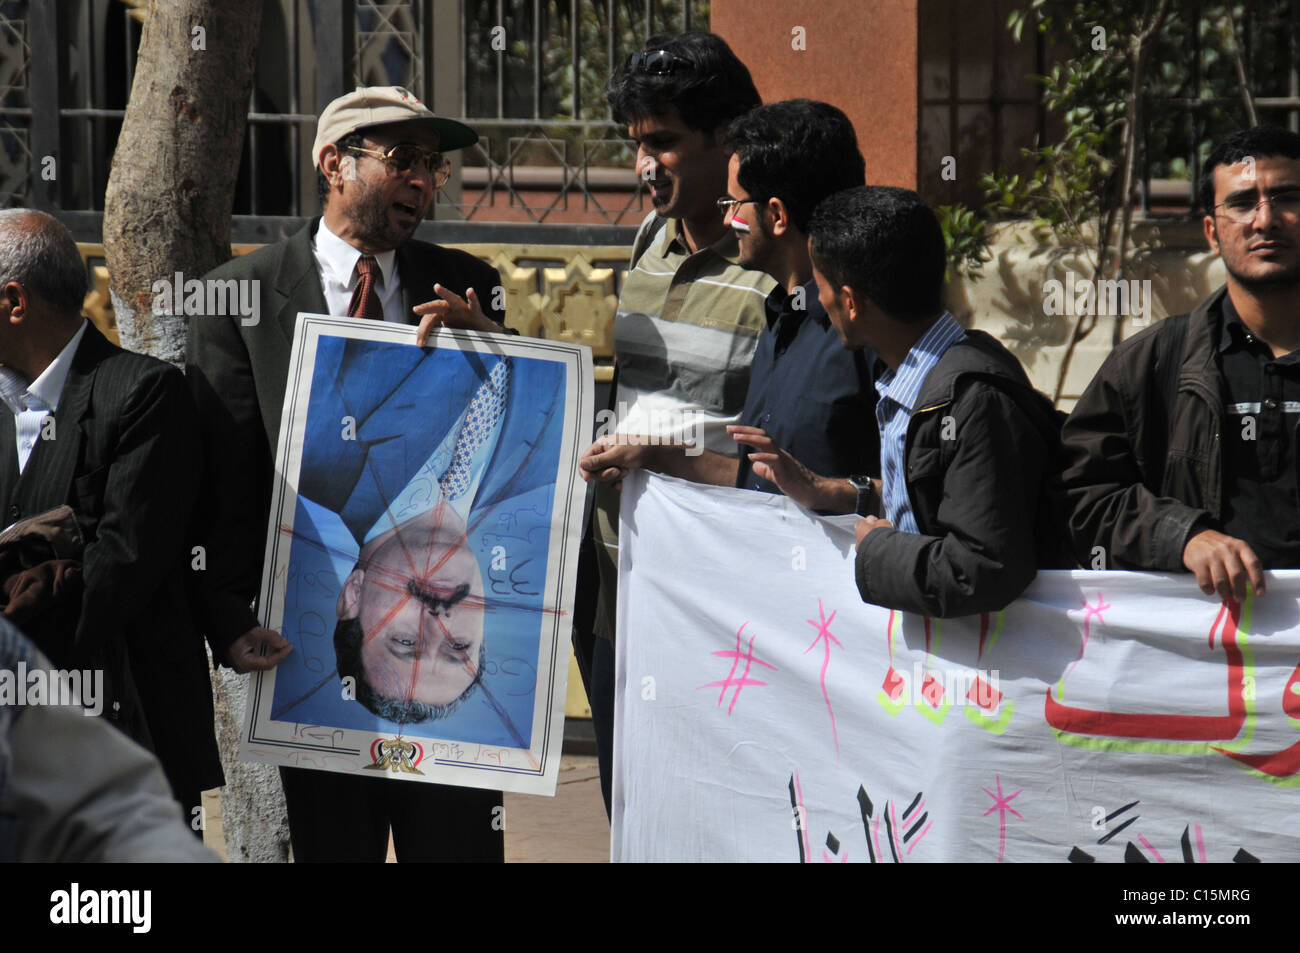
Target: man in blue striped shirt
point(898, 390)
point(966, 443)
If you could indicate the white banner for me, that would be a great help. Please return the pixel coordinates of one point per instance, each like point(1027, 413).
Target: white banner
point(766, 713)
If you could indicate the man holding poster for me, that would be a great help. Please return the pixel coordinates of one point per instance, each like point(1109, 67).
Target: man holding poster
point(380, 154)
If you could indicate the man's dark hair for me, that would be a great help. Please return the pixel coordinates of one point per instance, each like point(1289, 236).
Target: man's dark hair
point(799, 151)
point(38, 252)
point(1257, 142)
point(885, 244)
point(348, 638)
point(703, 79)
point(322, 183)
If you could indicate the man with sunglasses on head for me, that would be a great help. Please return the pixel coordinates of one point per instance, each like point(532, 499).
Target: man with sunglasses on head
point(380, 157)
point(689, 314)
point(810, 408)
point(1181, 454)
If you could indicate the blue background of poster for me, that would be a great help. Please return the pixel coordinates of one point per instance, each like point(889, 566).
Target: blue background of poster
point(402, 401)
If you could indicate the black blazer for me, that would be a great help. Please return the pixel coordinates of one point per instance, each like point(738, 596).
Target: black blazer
point(125, 456)
point(239, 374)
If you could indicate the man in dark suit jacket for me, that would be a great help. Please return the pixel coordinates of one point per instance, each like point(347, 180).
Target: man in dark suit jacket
point(113, 435)
point(378, 159)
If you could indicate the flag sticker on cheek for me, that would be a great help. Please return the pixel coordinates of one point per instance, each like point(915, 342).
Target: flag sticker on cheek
point(739, 224)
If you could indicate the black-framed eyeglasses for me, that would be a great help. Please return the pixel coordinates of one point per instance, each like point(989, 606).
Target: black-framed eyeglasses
point(657, 62)
point(1244, 207)
point(403, 157)
point(728, 205)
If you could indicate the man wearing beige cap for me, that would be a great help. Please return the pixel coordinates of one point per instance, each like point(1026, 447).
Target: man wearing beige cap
point(379, 155)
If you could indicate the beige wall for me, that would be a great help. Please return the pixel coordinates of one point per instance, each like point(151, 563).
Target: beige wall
point(1007, 301)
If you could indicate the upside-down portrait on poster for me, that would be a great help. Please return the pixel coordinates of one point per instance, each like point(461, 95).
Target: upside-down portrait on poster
point(421, 555)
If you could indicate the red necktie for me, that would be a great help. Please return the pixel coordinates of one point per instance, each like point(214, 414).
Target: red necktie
point(365, 300)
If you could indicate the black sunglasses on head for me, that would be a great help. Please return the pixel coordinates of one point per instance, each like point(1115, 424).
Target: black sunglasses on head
point(657, 62)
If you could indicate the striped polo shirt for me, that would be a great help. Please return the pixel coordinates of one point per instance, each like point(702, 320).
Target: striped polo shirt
point(684, 335)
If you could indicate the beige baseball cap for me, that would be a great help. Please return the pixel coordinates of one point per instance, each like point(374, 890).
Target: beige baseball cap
point(369, 106)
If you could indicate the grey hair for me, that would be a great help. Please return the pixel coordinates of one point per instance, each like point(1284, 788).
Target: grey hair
point(38, 252)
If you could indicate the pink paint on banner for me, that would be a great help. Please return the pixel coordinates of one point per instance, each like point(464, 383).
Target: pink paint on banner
point(1002, 804)
point(1088, 613)
point(924, 831)
point(737, 683)
point(824, 631)
point(1154, 853)
point(893, 816)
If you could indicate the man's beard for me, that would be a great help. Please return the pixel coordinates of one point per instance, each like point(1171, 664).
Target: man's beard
point(1273, 281)
point(758, 255)
point(1276, 280)
point(370, 219)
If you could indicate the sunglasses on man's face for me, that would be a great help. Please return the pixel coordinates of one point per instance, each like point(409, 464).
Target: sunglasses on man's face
point(404, 157)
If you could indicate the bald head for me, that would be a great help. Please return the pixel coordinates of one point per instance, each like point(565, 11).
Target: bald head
point(39, 253)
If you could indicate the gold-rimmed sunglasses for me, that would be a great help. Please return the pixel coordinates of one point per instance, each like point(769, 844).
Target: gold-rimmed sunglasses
point(403, 157)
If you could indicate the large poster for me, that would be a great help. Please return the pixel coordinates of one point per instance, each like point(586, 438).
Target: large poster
point(764, 712)
point(421, 555)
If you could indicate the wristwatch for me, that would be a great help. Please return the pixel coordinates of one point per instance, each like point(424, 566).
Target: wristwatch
point(866, 494)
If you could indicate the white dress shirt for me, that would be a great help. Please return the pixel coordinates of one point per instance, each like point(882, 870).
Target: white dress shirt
point(336, 264)
point(32, 403)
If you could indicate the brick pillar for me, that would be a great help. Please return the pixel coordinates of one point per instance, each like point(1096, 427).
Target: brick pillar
point(861, 57)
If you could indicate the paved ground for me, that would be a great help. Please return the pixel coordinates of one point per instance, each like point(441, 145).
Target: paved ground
point(570, 827)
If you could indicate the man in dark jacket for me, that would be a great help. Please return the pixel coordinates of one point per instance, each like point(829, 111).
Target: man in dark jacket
point(379, 153)
point(1181, 454)
point(966, 443)
point(107, 438)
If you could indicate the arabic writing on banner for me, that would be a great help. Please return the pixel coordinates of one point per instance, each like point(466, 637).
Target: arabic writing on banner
point(765, 712)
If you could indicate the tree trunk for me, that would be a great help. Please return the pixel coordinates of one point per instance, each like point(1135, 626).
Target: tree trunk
point(171, 187)
point(167, 210)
